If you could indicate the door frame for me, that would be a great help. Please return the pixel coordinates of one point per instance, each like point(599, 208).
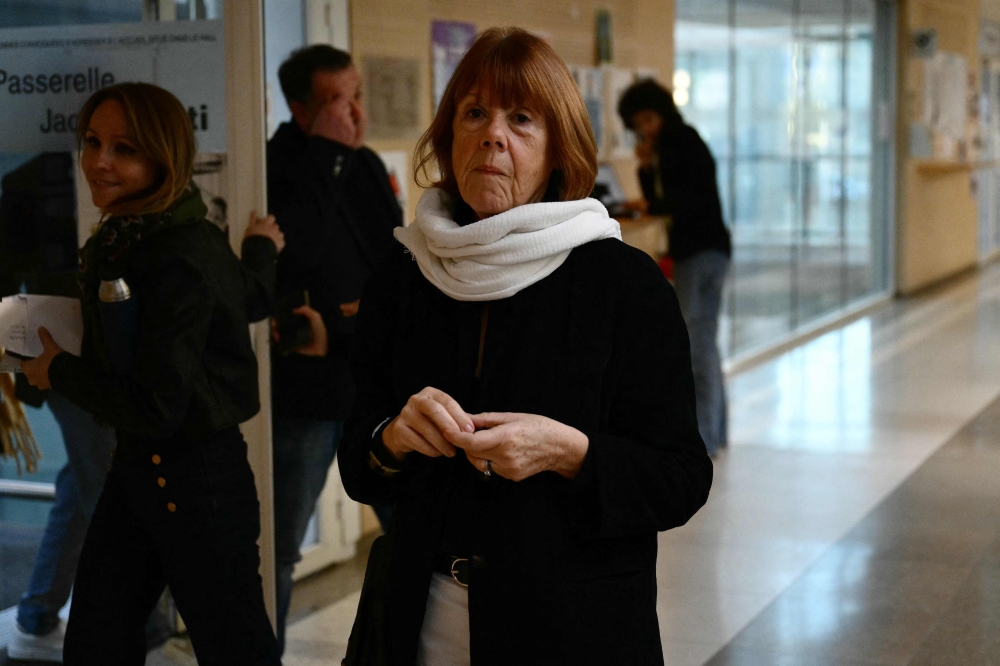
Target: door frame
point(245, 190)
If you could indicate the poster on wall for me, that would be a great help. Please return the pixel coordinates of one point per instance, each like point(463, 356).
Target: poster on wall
point(449, 42)
point(392, 94)
point(47, 73)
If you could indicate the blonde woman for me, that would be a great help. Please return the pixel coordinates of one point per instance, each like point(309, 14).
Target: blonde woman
point(175, 380)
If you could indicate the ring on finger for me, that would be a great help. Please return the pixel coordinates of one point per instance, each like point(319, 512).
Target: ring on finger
point(489, 469)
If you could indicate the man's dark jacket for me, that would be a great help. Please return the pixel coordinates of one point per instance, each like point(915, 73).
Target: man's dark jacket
point(564, 572)
point(337, 210)
point(689, 193)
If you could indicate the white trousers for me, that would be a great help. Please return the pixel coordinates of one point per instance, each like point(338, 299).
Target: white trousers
point(444, 638)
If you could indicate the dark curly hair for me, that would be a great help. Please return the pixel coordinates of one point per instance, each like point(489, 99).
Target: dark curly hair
point(648, 95)
point(295, 74)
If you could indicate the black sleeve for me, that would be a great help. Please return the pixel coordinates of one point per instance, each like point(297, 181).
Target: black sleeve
point(673, 161)
point(647, 179)
point(373, 403)
point(152, 400)
point(649, 470)
point(258, 268)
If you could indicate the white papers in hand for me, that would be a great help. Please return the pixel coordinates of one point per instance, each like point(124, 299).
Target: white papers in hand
point(21, 315)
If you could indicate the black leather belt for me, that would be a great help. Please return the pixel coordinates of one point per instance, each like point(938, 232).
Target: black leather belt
point(456, 567)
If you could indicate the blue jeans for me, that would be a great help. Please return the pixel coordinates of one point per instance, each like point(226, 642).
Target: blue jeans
point(78, 487)
point(303, 453)
point(698, 281)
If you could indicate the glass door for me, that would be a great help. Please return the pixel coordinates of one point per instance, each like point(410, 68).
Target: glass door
point(215, 67)
point(38, 244)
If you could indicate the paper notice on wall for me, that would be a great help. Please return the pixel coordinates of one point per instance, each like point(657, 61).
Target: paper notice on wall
point(21, 315)
point(392, 94)
point(621, 142)
point(47, 73)
point(945, 95)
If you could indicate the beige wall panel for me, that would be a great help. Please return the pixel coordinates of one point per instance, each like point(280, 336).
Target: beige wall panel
point(643, 38)
point(942, 233)
point(990, 10)
point(937, 221)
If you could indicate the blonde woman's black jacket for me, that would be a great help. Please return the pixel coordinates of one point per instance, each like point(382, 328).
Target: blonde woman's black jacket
point(194, 371)
point(563, 572)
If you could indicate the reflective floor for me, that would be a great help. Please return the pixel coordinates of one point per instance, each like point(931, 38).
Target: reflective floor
point(854, 519)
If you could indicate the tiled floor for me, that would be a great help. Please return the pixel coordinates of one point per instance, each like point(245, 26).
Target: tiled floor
point(916, 582)
point(782, 558)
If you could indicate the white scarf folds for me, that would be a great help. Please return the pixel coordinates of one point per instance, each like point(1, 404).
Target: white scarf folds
point(499, 256)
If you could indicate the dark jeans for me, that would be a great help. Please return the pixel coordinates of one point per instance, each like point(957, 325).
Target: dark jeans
point(303, 453)
point(698, 281)
point(78, 485)
point(188, 518)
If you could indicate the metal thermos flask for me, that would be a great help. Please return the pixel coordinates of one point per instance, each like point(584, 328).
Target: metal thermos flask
point(120, 320)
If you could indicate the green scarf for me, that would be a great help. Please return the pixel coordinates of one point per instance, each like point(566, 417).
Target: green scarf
point(106, 254)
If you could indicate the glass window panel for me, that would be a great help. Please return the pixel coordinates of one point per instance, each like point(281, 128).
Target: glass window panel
point(819, 139)
point(862, 262)
point(820, 257)
point(796, 164)
point(865, 237)
point(760, 302)
point(763, 212)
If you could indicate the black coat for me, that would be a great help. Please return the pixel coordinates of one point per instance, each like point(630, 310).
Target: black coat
point(564, 571)
point(195, 371)
point(688, 192)
point(337, 210)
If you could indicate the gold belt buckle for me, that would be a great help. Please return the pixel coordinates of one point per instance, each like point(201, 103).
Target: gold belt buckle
point(454, 569)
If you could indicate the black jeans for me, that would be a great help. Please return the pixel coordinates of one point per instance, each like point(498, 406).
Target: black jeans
point(183, 515)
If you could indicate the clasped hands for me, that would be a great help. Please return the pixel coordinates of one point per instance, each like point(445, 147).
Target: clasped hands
point(516, 445)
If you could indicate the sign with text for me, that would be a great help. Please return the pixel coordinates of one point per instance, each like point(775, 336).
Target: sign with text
point(46, 74)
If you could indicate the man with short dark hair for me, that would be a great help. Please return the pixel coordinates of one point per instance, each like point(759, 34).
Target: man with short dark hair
point(336, 206)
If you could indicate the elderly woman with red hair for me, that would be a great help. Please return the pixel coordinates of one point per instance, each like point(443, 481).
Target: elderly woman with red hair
point(525, 396)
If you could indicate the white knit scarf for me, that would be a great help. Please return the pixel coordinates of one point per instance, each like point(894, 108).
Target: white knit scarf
point(499, 256)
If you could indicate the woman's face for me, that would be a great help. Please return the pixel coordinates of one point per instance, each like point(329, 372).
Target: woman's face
point(500, 156)
point(647, 124)
point(111, 161)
